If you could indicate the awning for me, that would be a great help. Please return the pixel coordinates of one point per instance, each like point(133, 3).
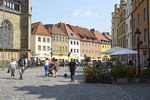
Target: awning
point(71, 57)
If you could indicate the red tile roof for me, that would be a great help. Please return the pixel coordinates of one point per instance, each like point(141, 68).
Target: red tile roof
point(53, 29)
point(67, 30)
point(83, 32)
point(99, 36)
point(38, 28)
point(106, 35)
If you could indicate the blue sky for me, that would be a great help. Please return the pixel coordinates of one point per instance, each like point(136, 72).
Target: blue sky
point(84, 13)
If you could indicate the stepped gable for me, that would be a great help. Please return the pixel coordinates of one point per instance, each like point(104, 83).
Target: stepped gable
point(83, 32)
point(63, 27)
point(53, 29)
point(38, 28)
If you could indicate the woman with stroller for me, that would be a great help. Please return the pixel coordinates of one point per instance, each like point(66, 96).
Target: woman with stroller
point(56, 67)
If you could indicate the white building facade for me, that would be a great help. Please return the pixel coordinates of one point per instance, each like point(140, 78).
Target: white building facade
point(40, 45)
point(74, 48)
point(128, 24)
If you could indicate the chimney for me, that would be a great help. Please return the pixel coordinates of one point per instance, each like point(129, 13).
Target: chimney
point(92, 30)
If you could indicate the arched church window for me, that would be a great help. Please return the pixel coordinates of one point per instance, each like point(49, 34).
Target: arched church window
point(6, 35)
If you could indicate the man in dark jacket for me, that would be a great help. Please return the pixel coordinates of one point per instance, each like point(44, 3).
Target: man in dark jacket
point(72, 67)
point(22, 64)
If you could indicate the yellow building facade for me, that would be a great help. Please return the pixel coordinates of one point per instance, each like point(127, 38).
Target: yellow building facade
point(60, 46)
point(104, 47)
point(121, 25)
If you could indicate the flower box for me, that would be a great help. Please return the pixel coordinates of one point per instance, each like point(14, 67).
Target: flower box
point(108, 81)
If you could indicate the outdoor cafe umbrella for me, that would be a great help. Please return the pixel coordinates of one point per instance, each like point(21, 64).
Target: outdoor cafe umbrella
point(112, 50)
point(124, 52)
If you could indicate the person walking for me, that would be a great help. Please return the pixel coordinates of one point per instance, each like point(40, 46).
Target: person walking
point(22, 64)
point(72, 67)
point(56, 67)
point(46, 66)
point(12, 68)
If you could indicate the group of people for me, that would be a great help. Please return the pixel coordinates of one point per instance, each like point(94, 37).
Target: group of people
point(22, 67)
point(49, 66)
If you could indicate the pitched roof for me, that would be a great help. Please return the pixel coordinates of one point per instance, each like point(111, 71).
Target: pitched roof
point(106, 35)
point(67, 30)
point(38, 28)
point(83, 32)
point(99, 36)
point(53, 29)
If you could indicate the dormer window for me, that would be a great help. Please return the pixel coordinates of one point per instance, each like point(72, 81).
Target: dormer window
point(72, 34)
point(90, 38)
point(84, 37)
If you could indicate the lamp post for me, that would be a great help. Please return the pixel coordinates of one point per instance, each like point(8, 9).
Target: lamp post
point(51, 46)
point(138, 45)
point(3, 33)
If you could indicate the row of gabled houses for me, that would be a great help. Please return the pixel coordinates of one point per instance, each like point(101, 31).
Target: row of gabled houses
point(59, 40)
point(126, 19)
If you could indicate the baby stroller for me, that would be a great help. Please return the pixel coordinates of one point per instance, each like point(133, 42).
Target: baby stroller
point(50, 70)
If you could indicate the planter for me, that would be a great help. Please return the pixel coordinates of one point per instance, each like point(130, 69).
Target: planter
point(108, 81)
point(122, 80)
point(146, 81)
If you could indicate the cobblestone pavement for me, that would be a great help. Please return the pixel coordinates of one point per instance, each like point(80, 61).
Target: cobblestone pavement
point(35, 87)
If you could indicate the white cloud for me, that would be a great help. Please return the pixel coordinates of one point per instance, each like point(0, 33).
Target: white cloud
point(90, 13)
point(76, 13)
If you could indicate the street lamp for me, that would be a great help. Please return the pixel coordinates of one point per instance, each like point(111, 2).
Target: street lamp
point(138, 45)
point(51, 46)
point(3, 33)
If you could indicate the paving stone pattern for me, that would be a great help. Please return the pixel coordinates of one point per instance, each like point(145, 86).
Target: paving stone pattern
point(35, 87)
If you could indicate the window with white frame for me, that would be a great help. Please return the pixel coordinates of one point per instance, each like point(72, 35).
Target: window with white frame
point(63, 39)
point(44, 48)
point(74, 42)
point(89, 44)
point(82, 44)
point(60, 49)
point(144, 14)
point(44, 40)
point(99, 52)
point(93, 52)
point(60, 38)
point(57, 38)
point(39, 39)
point(48, 40)
point(74, 50)
point(86, 52)
point(70, 42)
point(48, 48)
point(92, 45)
point(89, 51)
point(77, 43)
point(86, 44)
point(53, 38)
point(63, 49)
point(71, 50)
point(57, 48)
point(53, 48)
point(95, 45)
point(77, 50)
point(82, 51)
point(39, 48)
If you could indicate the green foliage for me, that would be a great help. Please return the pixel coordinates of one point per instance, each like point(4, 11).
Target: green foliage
point(132, 72)
point(146, 73)
point(87, 59)
point(53, 59)
point(91, 72)
point(121, 70)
